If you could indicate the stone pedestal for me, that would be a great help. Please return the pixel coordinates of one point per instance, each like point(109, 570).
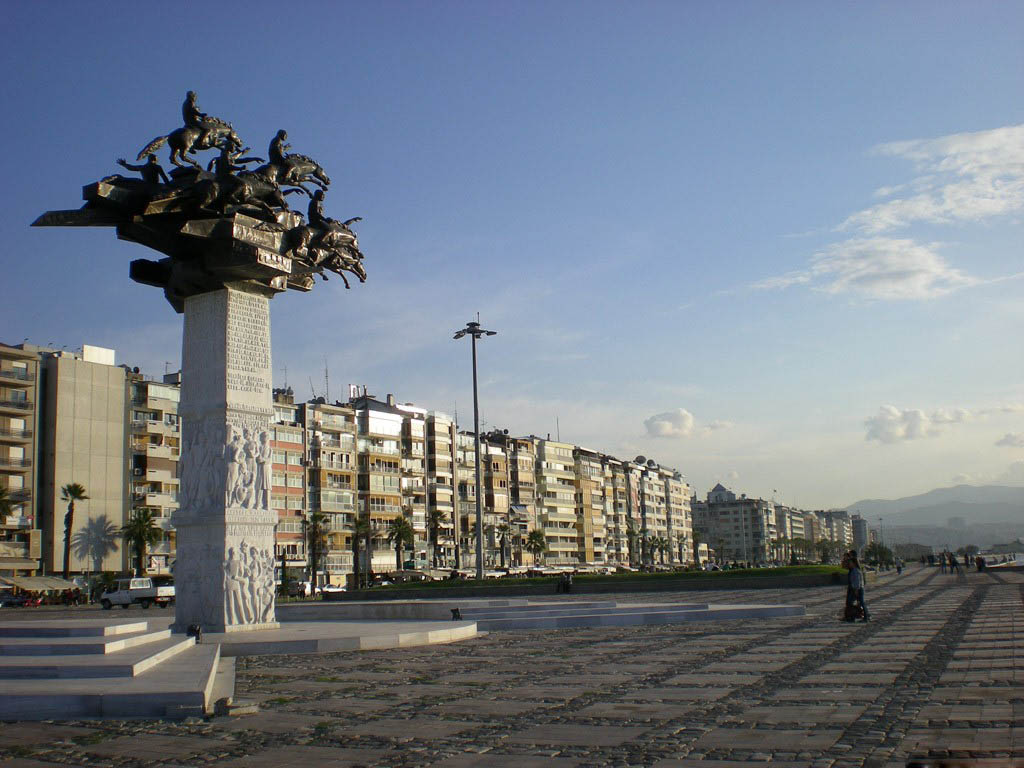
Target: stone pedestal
point(224, 575)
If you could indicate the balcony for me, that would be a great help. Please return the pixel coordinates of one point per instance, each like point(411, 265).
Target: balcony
point(16, 405)
point(385, 509)
point(334, 506)
point(338, 562)
point(15, 463)
point(379, 469)
point(162, 451)
point(14, 521)
point(17, 434)
point(16, 375)
point(163, 548)
point(161, 499)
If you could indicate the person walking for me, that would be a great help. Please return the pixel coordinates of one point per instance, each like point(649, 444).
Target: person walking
point(942, 561)
point(954, 565)
point(855, 588)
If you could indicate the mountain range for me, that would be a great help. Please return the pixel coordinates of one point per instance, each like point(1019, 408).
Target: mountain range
point(991, 514)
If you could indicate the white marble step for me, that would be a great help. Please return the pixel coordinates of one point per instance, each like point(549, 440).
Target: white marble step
point(182, 686)
point(126, 663)
point(70, 628)
point(73, 646)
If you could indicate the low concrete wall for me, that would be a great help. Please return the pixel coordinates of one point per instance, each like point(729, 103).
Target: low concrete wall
point(693, 584)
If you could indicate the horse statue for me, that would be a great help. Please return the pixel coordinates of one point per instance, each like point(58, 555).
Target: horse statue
point(187, 139)
point(295, 171)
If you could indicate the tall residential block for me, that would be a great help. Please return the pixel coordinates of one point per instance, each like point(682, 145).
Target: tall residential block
point(20, 535)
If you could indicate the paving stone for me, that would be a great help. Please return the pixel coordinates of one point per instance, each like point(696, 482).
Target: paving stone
point(747, 738)
point(407, 730)
point(490, 760)
point(579, 735)
point(24, 734)
point(307, 757)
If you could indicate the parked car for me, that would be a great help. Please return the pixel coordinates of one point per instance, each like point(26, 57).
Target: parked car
point(141, 591)
point(10, 600)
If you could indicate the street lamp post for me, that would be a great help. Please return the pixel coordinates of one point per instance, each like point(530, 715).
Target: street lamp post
point(475, 332)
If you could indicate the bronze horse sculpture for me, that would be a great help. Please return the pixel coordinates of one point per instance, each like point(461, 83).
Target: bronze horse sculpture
point(187, 139)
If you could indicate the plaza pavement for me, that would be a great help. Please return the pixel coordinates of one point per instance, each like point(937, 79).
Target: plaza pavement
point(939, 670)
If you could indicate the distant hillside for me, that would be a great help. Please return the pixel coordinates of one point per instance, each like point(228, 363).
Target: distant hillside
point(976, 504)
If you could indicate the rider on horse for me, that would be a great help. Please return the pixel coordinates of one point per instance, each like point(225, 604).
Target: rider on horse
point(195, 119)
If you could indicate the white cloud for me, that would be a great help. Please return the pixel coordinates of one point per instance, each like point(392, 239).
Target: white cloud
point(877, 268)
point(951, 416)
point(894, 425)
point(677, 423)
point(718, 424)
point(964, 177)
point(1012, 440)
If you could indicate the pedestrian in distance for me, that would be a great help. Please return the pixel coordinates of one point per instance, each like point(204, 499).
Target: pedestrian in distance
point(942, 562)
point(855, 605)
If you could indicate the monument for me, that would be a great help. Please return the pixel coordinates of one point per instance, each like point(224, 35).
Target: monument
point(230, 243)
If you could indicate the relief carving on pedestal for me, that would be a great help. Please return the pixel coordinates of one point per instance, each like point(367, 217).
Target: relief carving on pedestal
point(247, 456)
point(248, 585)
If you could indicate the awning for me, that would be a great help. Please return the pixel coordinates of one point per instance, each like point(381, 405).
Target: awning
point(37, 583)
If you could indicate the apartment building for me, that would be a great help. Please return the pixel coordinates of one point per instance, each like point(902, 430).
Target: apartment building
point(555, 472)
point(859, 527)
point(332, 482)
point(155, 449)
point(20, 536)
point(288, 478)
point(738, 529)
point(440, 482)
point(86, 399)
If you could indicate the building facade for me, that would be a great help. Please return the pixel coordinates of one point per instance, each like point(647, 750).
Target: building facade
point(20, 536)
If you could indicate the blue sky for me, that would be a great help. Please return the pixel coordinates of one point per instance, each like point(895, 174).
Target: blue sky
point(775, 245)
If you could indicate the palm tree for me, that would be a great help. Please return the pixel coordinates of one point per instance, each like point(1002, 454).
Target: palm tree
point(536, 543)
point(401, 535)
point(660, 545)
point(6, 505)
point(697, 539)
point(435, 519)
point(631, 536)
point(70, 493)
point(140, 532)
point(316, 538)
point(360, 531)
point(504, 531)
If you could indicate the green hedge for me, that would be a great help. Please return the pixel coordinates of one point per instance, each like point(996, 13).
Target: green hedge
point(621, 578)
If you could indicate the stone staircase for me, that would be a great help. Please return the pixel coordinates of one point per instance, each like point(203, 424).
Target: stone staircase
point(554, 615)
point(97, 668)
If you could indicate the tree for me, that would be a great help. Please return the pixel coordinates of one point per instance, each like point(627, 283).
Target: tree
point(697, 540)
point(316, 541)
point(6, 504)
point(878, 553)
point(631, 540)
point(360, 531)
point(435, 519)
point(70, 493)
point(536, 543)
point(504, 531)
point(826, 549)
point(681, 541)
point(139, 533)
point(401, 535)
point(660, 545)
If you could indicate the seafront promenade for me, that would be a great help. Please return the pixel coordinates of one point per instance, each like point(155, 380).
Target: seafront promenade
point(939, 670)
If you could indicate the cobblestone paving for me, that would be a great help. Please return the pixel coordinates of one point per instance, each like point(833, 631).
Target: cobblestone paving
point(938, 671)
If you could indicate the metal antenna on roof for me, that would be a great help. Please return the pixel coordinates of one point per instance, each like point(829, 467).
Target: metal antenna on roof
point(327, 381)
point(558, 430)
